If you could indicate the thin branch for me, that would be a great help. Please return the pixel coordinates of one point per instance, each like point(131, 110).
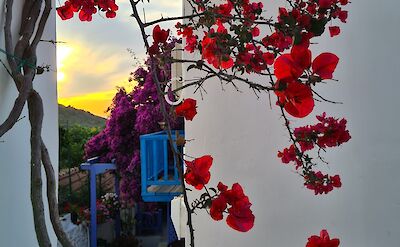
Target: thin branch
point(5, 67)
point(324, 99)
point(150, 23)
point(53, 41)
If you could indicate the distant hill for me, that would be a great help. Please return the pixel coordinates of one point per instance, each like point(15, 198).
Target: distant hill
point(68, 115)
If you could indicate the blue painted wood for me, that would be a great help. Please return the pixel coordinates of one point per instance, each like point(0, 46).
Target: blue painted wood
point(149, 222)
point(94, 169)
point(172, 236)
point(157, 165)
point(93, 211)
point(165, 159)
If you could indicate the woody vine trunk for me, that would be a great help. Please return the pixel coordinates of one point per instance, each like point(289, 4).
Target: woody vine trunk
point(22, 61)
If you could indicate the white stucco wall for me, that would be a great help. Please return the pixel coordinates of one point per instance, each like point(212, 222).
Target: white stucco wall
point(243, 135)
point(16, 225)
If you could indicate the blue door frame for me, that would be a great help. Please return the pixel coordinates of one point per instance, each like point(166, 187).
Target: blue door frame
point(95, 169)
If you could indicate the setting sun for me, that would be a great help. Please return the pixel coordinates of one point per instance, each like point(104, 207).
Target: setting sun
point(63, 52)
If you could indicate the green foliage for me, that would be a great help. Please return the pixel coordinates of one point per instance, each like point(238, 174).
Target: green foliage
point(72, 142)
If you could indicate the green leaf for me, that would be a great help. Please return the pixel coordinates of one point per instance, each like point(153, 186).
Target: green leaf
point(318, 26)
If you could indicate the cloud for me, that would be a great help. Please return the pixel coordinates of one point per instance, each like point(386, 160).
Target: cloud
point(84, 70)
point(94, 59)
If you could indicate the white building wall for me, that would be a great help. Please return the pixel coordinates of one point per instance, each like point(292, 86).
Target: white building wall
point(16, 225)
point(243, 135)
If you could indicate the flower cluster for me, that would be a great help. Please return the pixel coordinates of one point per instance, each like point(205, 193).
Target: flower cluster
point(294, 94)
point(240, 217)
point(329, 132)
point(87, 8)
point(323, 240)
point(245, 47)
point(111, 203)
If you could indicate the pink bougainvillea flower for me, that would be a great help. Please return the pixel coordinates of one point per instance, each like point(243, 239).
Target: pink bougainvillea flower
point(334, 31)
point(160, 35)
point(325, 64)
point(296, 98)
point(198, 171)
point(187, 109)
point(323, 240)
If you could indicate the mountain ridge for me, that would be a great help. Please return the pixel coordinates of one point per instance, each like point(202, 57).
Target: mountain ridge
point(69, 116)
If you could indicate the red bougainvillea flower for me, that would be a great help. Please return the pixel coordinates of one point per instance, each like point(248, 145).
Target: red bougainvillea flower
point(321, 183)
point(332, 132)
point(87, 8)
point(286, 69)
point(296, 98)
point(240, 217)
point(325, 64)
point(288, 155)
point(218, 206)
point(160, 35)
point(323, 240)
point(197, 173)
point(187, 32)
point(325, 4)
point(187, 109)
point(212, 52)
point(291, 66)
point(342, 15)
point(65, 12)
point(334, 31)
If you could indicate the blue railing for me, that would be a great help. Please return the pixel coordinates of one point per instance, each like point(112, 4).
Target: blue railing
point(159, 173)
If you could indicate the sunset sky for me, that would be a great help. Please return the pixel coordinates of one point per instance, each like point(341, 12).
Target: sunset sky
point(94, 60)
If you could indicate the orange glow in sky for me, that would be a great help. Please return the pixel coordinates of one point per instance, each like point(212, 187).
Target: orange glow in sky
point(92, 58)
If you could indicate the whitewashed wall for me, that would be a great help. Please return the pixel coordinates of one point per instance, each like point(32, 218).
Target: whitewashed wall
point(16, 224)
point(244, 135)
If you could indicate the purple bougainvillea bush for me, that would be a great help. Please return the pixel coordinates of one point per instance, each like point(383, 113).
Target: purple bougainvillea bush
point(131, 115)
